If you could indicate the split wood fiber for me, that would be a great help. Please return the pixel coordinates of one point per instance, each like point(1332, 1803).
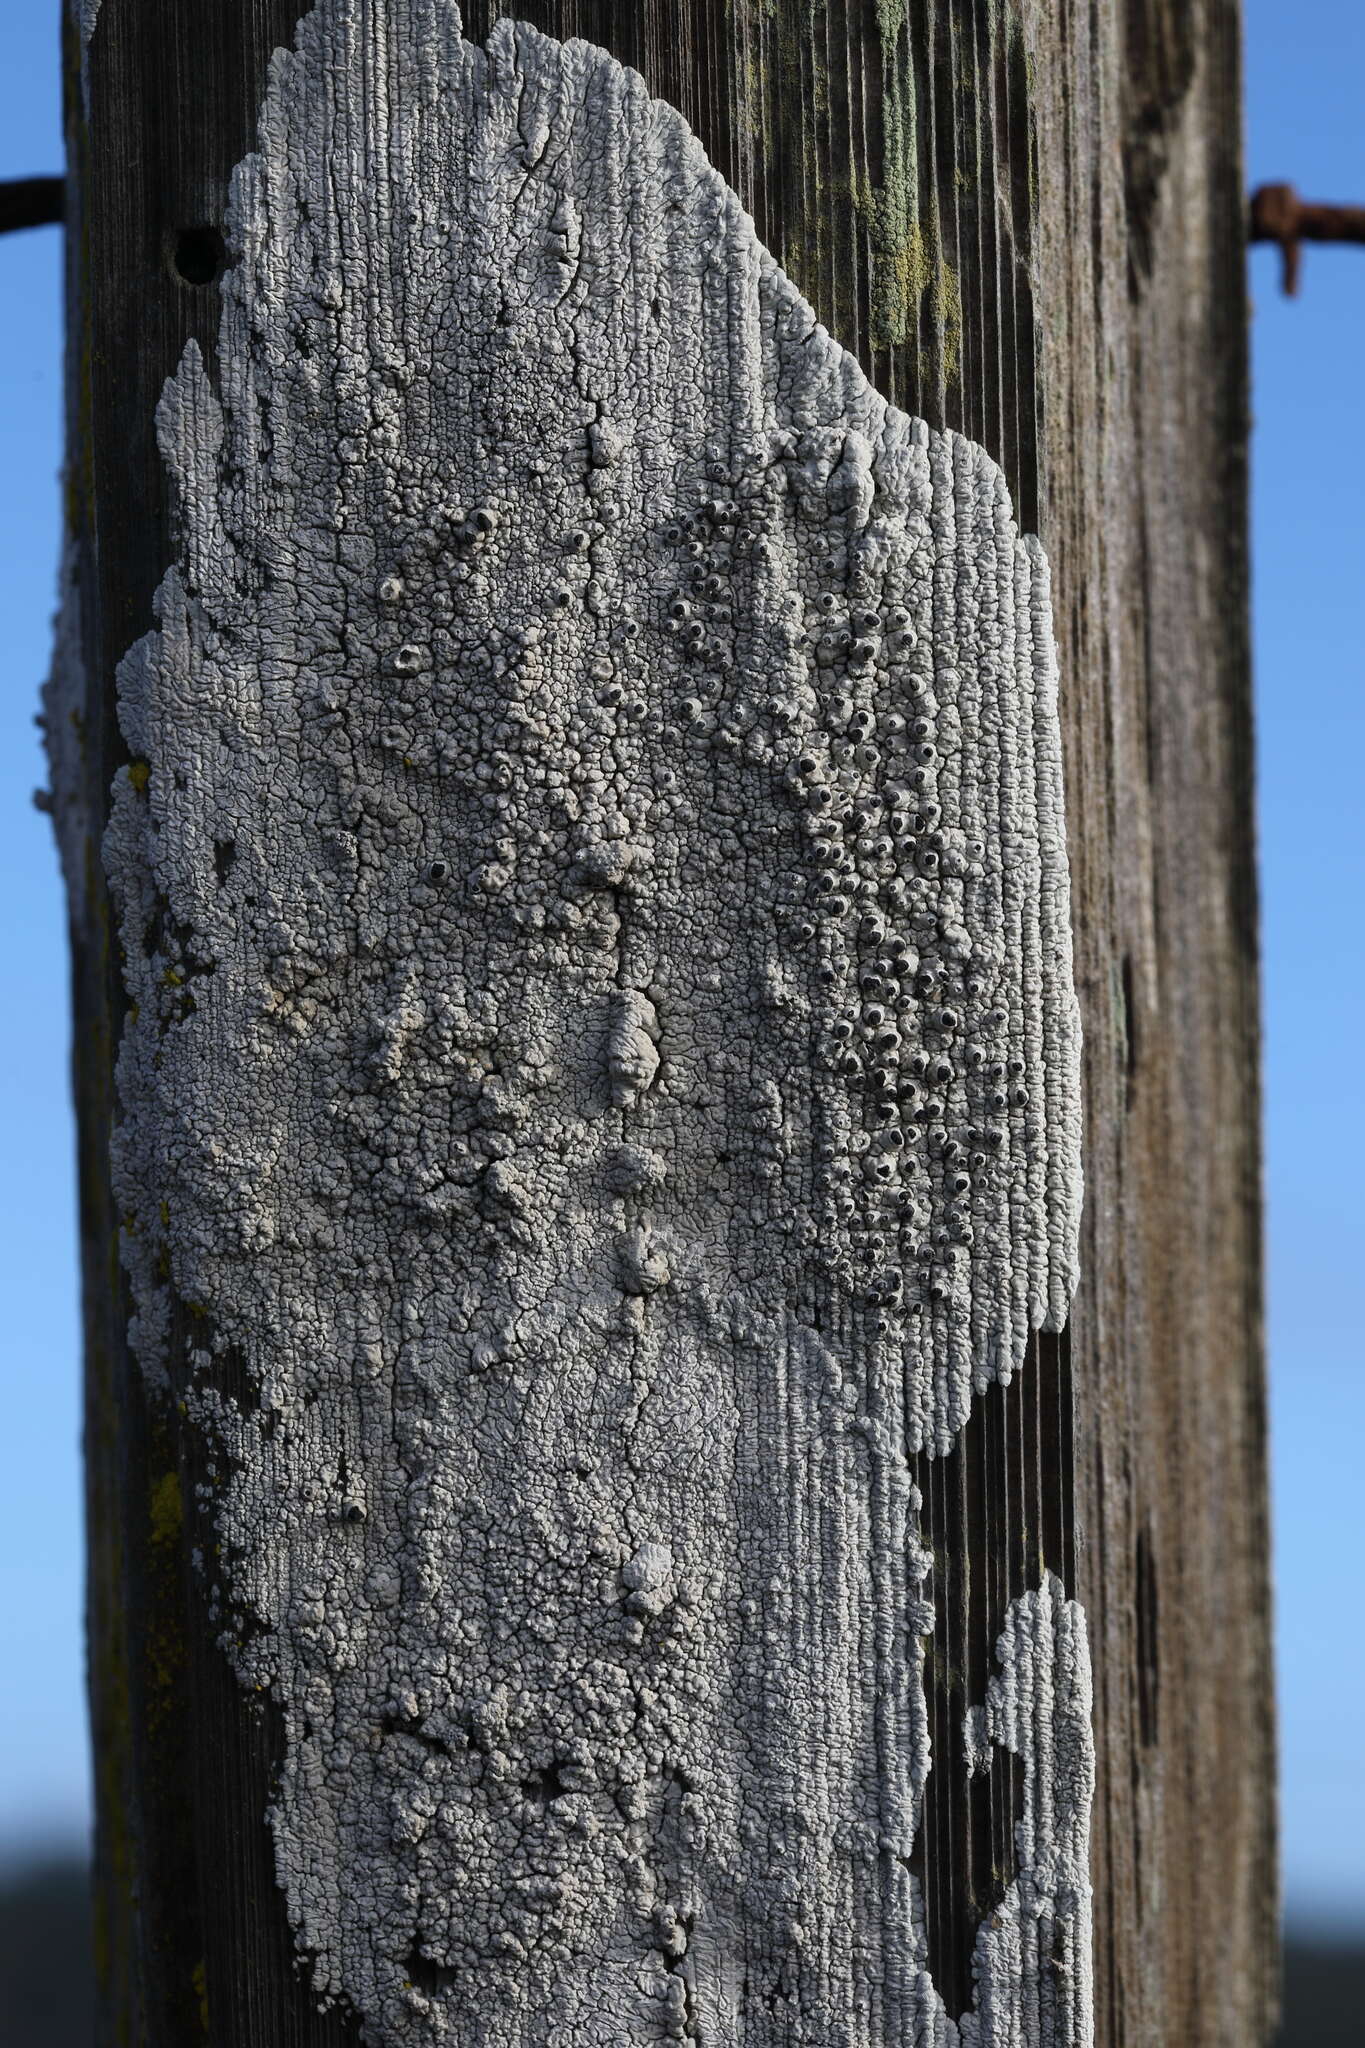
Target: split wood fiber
point(927, 177)
point(602, 1070)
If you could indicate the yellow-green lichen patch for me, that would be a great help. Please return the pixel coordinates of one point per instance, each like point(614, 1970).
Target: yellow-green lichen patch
point(200, 1981)
point(167, 1510)
point(164, 1651)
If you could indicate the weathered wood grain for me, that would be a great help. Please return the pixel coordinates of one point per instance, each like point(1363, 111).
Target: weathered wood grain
point(1026, 220)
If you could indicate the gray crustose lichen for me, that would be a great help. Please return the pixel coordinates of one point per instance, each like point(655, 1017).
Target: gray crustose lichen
point(603, 1064)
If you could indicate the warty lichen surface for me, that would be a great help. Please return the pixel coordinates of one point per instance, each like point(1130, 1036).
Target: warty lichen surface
point(603, 1070)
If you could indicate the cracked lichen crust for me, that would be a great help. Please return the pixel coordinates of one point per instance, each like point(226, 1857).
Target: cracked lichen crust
point(602, 1069)
point(1032, 1964)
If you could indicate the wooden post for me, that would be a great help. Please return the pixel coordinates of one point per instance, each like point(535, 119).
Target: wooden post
point(1026, 222)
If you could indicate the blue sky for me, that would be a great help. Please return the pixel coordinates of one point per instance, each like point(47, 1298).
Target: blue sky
point(1306, 122)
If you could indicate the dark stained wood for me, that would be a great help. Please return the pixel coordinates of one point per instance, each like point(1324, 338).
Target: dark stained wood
point(1026, 217)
